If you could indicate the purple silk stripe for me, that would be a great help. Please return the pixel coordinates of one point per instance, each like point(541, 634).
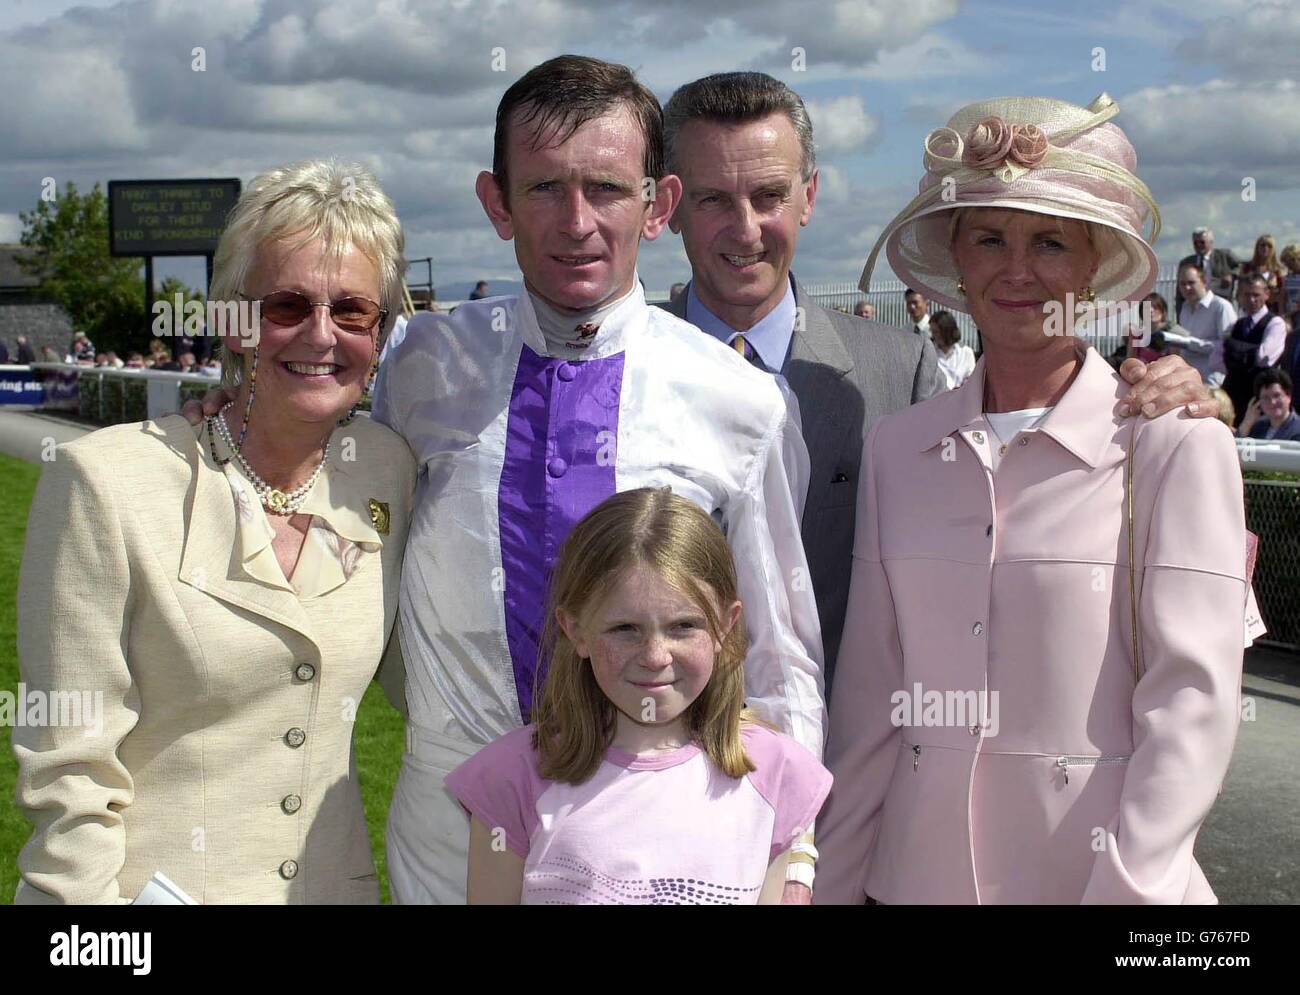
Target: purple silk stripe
point(561, 438)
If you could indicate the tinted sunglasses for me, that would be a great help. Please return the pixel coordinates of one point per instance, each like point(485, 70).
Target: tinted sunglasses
point(352, 314)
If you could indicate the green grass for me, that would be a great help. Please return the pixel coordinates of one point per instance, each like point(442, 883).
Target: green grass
point(17, 482)
point(378, 729)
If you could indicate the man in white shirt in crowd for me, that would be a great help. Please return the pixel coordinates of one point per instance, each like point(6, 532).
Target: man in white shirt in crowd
point(526, 412)
point(1208, 319)
point(918, 309)
point(1255, 343)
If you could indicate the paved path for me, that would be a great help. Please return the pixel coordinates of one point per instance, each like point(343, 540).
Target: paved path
point(1249, 846)
point(25, 434)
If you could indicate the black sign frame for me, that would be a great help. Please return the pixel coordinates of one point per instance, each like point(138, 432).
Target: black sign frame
point(146, 249)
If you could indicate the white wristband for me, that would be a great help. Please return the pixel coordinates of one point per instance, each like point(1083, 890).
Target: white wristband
point(806, 848)
point(797, 870)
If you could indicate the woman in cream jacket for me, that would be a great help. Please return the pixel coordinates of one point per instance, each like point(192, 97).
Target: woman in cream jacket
point(999, 732)
point(225, 593)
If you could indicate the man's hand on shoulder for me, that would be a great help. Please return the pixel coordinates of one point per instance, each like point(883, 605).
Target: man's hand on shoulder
point(1162, 386)
point(213, 401)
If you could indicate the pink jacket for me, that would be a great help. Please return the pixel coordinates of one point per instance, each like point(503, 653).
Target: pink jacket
point(1065, 783)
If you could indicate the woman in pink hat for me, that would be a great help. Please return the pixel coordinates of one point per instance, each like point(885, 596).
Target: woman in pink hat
point(1037, 694)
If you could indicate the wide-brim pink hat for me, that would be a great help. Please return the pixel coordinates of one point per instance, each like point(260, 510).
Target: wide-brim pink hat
point(1031, 154)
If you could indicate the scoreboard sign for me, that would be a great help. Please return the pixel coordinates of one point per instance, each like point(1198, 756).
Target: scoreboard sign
point(168, 217)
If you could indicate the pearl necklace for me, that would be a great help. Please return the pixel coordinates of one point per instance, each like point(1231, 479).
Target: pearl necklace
point(273, 499)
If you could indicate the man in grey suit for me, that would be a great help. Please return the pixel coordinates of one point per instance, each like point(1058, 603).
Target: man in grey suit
point(1219, 266)
point(742, 145)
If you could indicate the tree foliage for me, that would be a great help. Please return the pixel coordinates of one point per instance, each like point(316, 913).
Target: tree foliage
point(67, 243)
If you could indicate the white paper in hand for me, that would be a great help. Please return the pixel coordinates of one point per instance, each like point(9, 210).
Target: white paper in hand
point(161, 890)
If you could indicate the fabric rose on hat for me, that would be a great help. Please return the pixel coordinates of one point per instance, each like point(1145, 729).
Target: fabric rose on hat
point(993, 144)
point(988, 145)
point(1028, 145)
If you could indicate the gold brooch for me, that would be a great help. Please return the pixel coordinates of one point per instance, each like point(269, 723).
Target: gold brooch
point(379, 516)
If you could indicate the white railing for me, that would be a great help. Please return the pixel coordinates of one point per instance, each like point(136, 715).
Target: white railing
point(162, 387)
point(887, 296)
point(1269, 455)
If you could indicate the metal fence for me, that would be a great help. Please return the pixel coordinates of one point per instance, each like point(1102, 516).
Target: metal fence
point(887, 296)
point(109, 395)
point(1273, 514)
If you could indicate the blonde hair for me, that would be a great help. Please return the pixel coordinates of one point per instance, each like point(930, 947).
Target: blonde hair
point(1227, 410)
point(575, 721)
point(340, 203)
point(1270, 263)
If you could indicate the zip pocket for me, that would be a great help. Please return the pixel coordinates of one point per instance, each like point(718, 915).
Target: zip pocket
point(1065, 763)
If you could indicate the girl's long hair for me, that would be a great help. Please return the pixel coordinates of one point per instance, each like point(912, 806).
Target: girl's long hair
point(575, 722)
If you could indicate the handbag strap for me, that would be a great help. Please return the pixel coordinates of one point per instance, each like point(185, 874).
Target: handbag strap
point(1132, 559)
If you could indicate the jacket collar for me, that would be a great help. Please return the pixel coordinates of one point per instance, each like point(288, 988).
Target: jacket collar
point(1081, 422)
point(815, 336)
point(228, 552)
point(628, 319)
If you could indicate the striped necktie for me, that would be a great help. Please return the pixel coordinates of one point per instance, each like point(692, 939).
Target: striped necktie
point(743, 347)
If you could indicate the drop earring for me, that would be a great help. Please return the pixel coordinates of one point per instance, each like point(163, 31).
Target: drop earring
point(248, 407)
point(961, 285)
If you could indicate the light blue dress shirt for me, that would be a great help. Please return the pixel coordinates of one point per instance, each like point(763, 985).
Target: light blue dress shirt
point(770, 338)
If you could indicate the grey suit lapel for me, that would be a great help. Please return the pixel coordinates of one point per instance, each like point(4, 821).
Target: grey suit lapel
point(817, 373)
point(814, 339)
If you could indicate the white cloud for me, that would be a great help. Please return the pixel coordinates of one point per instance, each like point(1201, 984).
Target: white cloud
point(832, 187)
point(841, 124)
point(65, 103)
point(1235, 224)
point(1257, 40)
point(844, 32)
point(108, 91)
point(928, 57)
point(1211, 136)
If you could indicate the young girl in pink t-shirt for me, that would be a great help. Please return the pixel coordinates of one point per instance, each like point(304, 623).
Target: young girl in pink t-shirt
point(642, 780)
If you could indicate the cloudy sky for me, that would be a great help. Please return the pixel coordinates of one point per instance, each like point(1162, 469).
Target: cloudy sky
point(105, 89)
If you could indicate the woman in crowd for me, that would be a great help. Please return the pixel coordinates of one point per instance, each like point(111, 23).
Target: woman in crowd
point(219, 596)
point(1058, 728)
point(1269, 414)
point(1266, 263)
point(956, 360)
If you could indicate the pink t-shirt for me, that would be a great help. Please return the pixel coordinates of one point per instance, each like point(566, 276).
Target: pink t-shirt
point(662, 829)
